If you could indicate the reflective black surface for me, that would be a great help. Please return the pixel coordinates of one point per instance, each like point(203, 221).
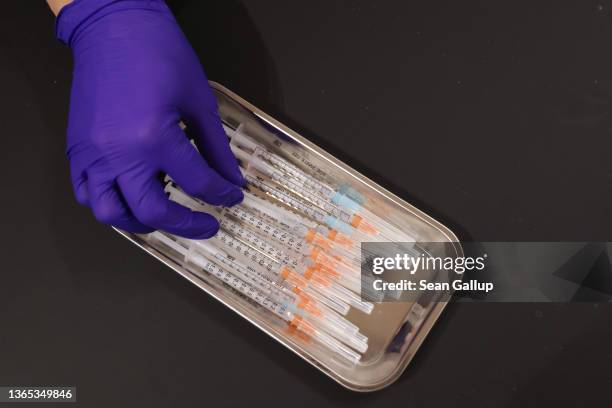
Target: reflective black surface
point(492, 116)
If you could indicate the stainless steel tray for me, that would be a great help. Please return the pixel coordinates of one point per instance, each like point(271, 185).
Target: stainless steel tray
point(395, 330)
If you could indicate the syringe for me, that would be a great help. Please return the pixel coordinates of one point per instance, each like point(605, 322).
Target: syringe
point(334, 266)
point(336, 202)
point(341, 195)
point(347, 214)
point(286, 238)
point(290, 315)
point(330, 240)
point(322, 281)
point(259, 258)
point(295, 223)
point(300, 158)
point(281, 194)
point(270, 284)
point(305, 241)
point(321, 274)
point(286, 197)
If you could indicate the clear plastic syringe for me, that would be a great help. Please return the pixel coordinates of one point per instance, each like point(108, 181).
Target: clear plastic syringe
point(330, 240)
point(286, 238)
point(335, 266)
point(291, 277)
point(281, 194)
point(311, 272)
point(286, 197)
point(348, 216)
point(294, 154)
point(314, 182)
point(332, 286)
point(299, 225)
point(267, 263)
point(286, 257)
point(304, 241)
point(324, 200)
point(270, 284)
point(290, 315)
point(335, 202)
point(322, 282)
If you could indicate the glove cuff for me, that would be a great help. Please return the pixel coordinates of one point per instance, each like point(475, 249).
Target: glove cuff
point(76, 15)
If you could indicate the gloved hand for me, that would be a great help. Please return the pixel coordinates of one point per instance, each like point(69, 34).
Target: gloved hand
point(135, 78)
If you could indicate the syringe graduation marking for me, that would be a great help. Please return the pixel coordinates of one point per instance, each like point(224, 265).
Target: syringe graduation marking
point(291, 248)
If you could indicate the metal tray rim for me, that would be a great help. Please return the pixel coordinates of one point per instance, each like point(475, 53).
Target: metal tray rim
point(431, 318)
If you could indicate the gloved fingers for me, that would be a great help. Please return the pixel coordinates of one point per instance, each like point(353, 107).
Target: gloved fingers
point(79, 183)
point(109, 207)
point(202, 119)
point(187, 167)
point(145, 196)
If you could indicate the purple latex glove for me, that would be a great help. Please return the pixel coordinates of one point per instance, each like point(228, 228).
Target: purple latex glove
point(135, 78)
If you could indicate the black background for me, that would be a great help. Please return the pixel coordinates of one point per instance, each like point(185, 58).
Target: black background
point(493, 116)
